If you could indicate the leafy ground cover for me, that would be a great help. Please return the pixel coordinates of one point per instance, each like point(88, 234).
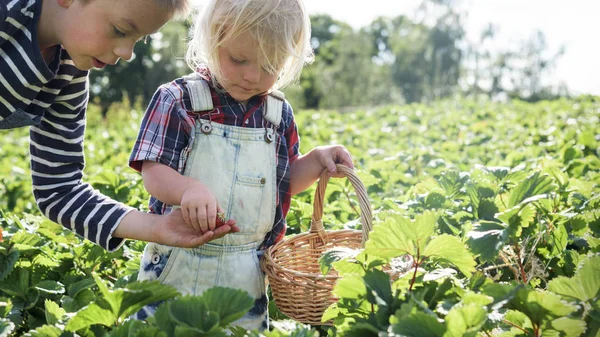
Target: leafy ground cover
point(496, 207)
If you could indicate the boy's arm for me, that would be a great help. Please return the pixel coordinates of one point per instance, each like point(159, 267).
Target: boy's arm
point(57, 162)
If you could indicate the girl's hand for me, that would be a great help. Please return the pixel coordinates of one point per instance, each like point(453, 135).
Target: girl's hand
point(199, 208)
point(329, 156)
point(306, 169)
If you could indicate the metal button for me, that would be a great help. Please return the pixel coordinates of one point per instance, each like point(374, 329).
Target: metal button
point(268, 137)
point(263, 180)
point(206, 128)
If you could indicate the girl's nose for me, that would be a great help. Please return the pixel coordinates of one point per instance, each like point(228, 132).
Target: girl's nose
point(251, 74)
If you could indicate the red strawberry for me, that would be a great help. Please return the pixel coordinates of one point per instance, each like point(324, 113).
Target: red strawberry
point(221, 219)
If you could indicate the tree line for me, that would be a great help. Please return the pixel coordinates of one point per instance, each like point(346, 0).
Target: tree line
point(393, 60)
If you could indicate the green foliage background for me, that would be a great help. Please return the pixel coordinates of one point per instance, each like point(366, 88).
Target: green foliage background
point(494, 206)
point(417, 58)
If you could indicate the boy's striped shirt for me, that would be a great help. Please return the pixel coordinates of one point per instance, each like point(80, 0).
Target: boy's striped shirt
point(52, 99)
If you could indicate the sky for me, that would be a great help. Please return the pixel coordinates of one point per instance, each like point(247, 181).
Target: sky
point(573, 24)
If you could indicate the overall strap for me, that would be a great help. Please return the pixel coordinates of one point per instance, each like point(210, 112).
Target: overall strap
point(199, 90)
point(201, 98)
point(274, 107)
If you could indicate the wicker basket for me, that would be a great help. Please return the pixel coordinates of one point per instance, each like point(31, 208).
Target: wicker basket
point(299, 288)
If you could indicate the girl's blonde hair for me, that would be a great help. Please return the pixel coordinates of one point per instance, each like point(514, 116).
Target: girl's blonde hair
point(281, 29)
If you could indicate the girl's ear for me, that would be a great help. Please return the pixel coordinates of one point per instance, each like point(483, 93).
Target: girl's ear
point(64, 3)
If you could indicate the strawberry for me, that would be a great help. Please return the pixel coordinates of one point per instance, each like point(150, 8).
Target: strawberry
point(221, 219)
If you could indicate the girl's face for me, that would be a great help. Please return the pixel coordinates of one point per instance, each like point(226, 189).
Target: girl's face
point(243, 76)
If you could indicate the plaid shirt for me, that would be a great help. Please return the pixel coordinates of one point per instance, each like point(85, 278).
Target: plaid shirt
point(166, 136)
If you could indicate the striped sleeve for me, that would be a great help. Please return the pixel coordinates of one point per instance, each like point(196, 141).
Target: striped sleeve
point(57, 162)
point(164, 131)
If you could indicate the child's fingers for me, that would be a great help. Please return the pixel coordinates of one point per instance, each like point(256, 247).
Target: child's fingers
point(344, 157)
point(202, 219)
point(211, 217)
point(330, 164)
point(194, 219)
point(185, 213)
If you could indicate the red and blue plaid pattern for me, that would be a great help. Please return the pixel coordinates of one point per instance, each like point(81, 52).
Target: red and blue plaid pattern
point(166, 132)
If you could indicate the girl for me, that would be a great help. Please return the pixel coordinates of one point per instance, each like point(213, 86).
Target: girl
point(223, 139)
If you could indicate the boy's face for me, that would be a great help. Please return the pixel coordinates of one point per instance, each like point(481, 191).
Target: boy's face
point(100, 32)
point(243, 76)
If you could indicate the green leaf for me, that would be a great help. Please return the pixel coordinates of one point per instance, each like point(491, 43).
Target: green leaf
point(8, 262)
point(379, 290)
point(398, 235)
point(74, 288)
point(350, 287)
point(5, 306)
point(126, 301)
point(451, 249)
point(452, 182)
point(53, 312)
point(540, 305)
point(335, 254)
point(487, 239)
point(584, 286)
point(164, 320)
point(45, 331)
point(570, 327)
point(135, 328)
point(533, 185)
point(51, 287)
point(419, 325)
point(192, 312)
point(239, 302)
point(465, 320)
point(138, 294)
point(6, 327)
point(95, 313)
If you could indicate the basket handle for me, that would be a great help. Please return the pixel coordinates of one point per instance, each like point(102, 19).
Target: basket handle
point(366, 216)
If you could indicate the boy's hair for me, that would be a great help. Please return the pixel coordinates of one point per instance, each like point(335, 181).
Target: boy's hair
point(281, 29)
point(180, 8)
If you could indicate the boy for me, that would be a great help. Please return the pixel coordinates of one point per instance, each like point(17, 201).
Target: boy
point(46, 50)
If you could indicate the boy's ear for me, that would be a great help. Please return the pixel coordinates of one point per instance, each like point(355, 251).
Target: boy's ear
point(64, 3)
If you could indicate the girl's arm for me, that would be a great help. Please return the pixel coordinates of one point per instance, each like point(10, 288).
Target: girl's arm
point(165, 183)
point(306, 169)
point(198, 203)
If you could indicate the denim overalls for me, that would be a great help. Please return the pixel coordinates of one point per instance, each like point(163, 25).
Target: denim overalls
point(239, 166)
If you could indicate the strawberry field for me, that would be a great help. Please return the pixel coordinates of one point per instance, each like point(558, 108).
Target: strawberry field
point(496, 207)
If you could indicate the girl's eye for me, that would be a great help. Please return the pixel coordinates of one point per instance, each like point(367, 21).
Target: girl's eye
point(118, 32)
point(238, 61)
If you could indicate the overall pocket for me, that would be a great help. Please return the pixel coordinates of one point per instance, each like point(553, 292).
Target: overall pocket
point(246, 201)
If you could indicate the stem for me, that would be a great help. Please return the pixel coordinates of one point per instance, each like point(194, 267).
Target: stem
point(514, 325)
point(521, 267)
point(414, 277)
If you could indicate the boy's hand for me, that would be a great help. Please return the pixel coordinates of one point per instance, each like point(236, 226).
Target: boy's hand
point(173, 231)
point(199, 208)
